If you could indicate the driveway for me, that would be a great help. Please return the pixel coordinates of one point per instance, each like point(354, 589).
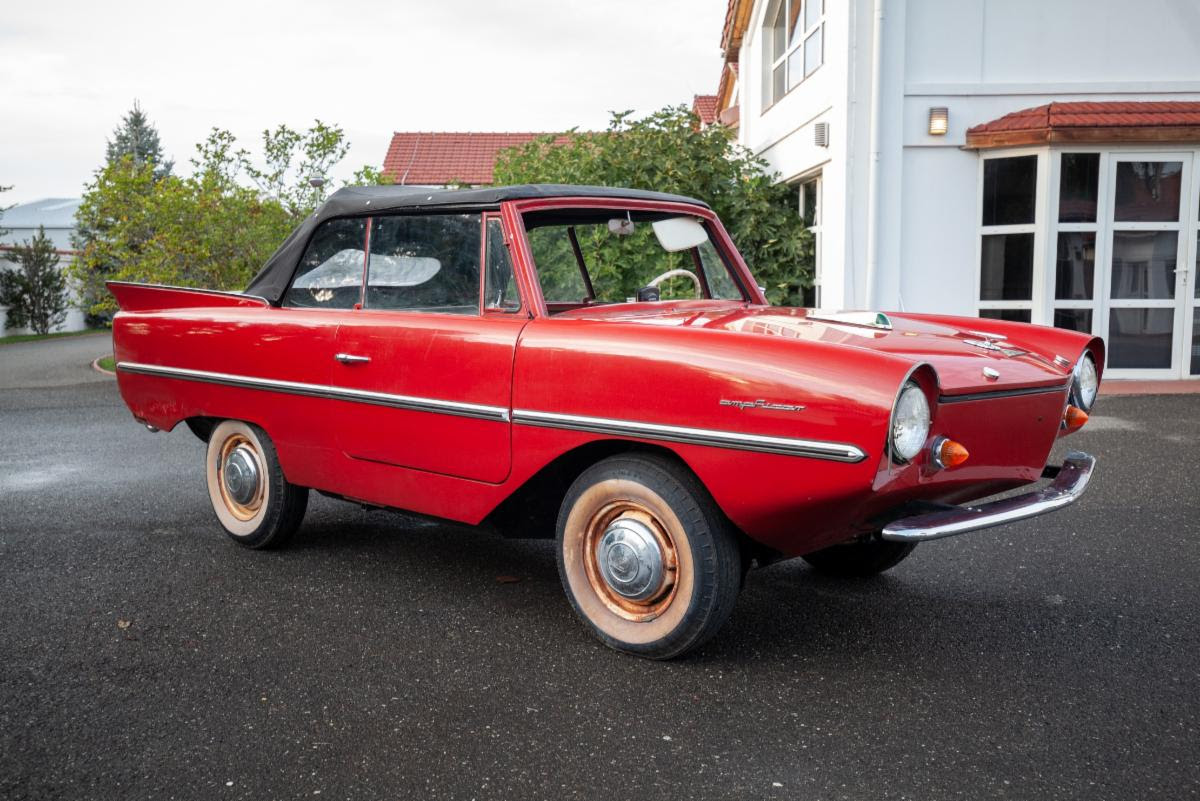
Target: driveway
point(144, 655)
point(53, 362)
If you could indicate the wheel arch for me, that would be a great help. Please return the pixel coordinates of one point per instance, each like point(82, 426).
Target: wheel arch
point(531, 510)
point(202, 426)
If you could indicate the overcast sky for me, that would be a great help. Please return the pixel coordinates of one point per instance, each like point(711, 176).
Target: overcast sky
point(70, 70)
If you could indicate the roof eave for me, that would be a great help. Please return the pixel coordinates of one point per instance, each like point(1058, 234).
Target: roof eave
point(1098, 135)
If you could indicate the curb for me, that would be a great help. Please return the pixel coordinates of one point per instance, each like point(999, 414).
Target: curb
point(1126, 386)
point(96, 366)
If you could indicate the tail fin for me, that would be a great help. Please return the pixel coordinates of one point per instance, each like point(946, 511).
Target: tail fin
point(156, 297)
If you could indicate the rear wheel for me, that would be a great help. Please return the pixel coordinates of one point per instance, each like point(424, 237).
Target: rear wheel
point(254, 502)
point(859, 559)
point(647, 559)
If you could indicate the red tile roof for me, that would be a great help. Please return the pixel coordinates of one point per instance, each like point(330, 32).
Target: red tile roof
point(440, 158)
point(737, 20)
point(1118, 121)
point(705, 107)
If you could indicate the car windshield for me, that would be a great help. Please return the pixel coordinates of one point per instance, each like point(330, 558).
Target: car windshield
point(595, 256)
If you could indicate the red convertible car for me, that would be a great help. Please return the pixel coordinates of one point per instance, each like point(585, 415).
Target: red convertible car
point(599, 366)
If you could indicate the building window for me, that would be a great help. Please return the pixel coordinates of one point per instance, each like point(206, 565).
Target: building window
point(810, 212)
point(793, 45)
point(1078, 224)
point(1117, 241)
point(1008, 234)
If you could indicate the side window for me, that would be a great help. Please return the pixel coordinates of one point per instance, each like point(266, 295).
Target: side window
point(500, 291)
point(329, 275)
point(720, 282)
point(425, 263)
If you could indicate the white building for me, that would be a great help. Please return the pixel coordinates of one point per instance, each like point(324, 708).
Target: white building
point(897, 121)
point(57, 216)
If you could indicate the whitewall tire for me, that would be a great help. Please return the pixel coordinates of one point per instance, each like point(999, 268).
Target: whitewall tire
point(254, 502)
point(647, 559)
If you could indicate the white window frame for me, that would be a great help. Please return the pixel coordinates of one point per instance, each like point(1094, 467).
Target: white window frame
point(1046, 228)
point(1054, 228)
point(1102, 304)
point(1036, 303)
point(772, 60)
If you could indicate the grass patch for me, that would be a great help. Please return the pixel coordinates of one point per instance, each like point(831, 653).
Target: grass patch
point(15, 338)
point(107, 363)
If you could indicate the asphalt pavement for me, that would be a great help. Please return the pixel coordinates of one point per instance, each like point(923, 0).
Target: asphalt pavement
point(60, 362)
point(144, 655)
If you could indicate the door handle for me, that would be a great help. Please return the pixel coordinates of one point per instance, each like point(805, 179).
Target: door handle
point(349, 358)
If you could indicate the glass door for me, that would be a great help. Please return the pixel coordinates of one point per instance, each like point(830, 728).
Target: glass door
point(1145, 279)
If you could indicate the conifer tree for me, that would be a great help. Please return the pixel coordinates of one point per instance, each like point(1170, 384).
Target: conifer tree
point(134, 148)
point(137, 138)
point(36, 291)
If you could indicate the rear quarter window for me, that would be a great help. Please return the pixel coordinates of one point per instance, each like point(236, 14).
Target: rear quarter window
point(330, 273)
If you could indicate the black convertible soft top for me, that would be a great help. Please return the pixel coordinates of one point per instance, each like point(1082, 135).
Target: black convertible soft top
point(272, 281)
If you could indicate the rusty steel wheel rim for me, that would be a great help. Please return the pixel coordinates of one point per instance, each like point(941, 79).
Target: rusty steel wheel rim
point(629, 515)
point(240, 477)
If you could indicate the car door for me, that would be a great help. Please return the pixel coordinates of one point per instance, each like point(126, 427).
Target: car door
point(287, 351)
point(431, 362)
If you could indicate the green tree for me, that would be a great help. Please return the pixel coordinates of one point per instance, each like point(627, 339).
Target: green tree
point(134, 149)
point(297, 165)
point(370, 176)
point(210, 229)
point(137, 138)
point(36, 291)
point(205, 230)
point(668, 151)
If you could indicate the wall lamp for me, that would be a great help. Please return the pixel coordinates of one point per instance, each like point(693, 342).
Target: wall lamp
point(939, 121)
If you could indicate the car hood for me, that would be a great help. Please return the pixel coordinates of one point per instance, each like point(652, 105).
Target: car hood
point(958, 352)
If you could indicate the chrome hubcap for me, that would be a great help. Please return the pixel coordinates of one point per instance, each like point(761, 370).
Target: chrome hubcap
point(630, 559)
point(240, 473)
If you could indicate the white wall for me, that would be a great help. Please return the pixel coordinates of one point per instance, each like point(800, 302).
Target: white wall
point(983, 59)
point(784, 134)
point(1052, 41)
point(980, 58)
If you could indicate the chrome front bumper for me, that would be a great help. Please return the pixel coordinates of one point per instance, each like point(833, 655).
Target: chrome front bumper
point(1069, 482)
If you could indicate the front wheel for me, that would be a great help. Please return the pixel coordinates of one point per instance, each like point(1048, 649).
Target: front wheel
point(859, 559)
point(255, 504)
point(646, 557)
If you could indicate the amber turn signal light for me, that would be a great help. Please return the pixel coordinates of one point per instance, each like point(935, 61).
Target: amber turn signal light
point(948, 454)
point(1074, 418)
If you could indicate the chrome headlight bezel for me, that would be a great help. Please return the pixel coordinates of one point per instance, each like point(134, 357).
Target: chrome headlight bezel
point(910, 423)
point(1085, 382)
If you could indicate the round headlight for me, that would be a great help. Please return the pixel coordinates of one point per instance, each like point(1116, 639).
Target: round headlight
point(1085, 382)
point(910, 423)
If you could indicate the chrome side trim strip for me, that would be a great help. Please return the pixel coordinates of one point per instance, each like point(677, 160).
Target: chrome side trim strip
point(598, 425)
point(1001, 393)
point(1069, 482)
point(815, 449)
point(412, 403)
